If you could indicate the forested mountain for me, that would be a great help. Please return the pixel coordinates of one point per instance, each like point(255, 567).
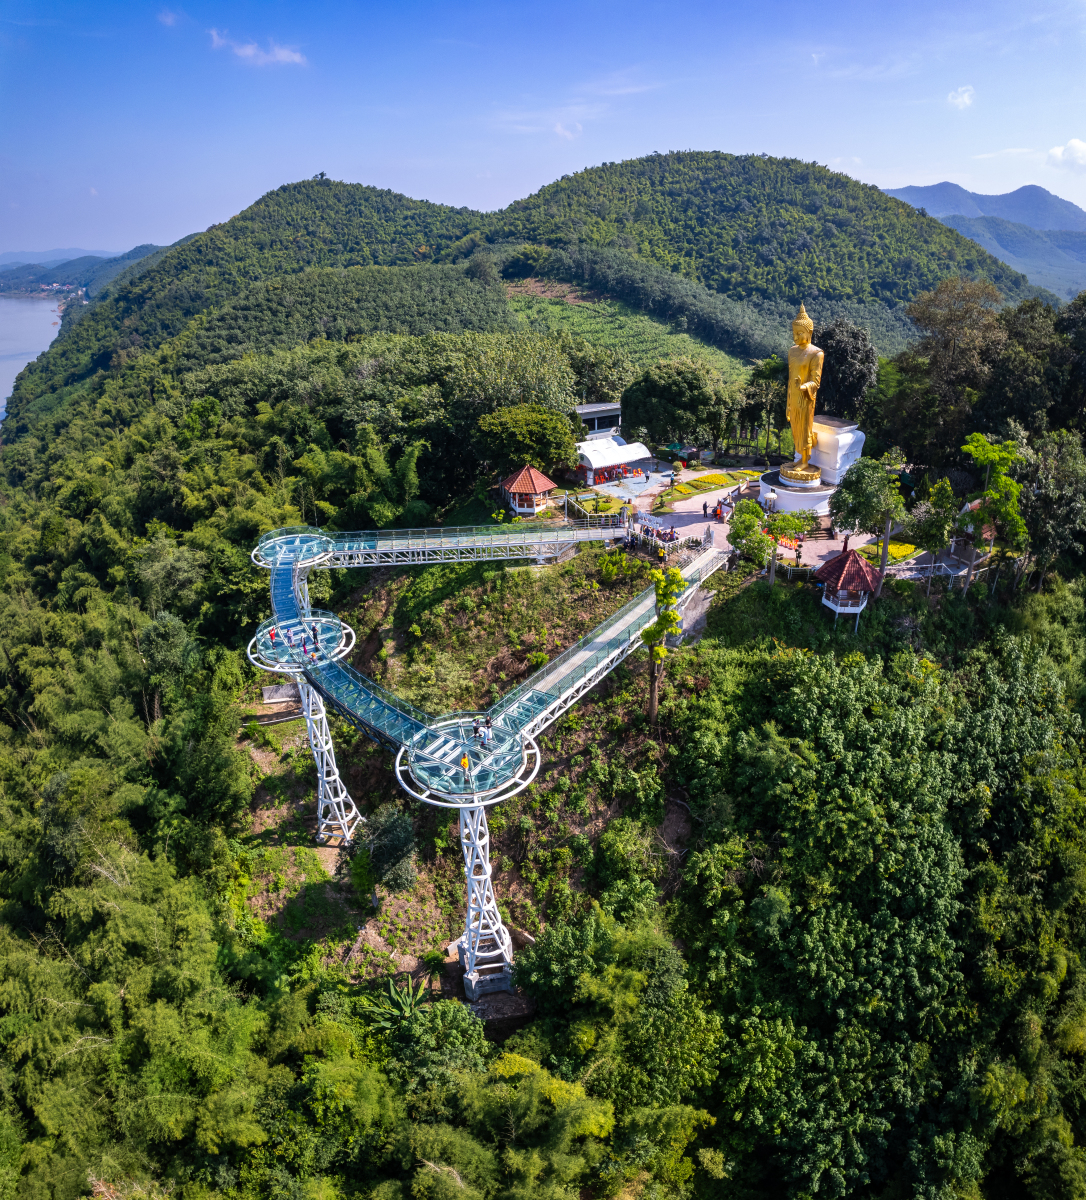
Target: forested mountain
point(1053, 259)
point(1030, 205)
point(772, 230)
point(754, 226)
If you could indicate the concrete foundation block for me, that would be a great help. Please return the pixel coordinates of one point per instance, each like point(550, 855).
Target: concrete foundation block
point(477, 985)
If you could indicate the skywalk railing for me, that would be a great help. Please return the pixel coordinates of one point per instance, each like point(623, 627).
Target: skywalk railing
point(553, 680)
point(553, 671)
point(595, 520)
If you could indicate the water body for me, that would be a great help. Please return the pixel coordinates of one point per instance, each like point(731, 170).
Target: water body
point(27, 326)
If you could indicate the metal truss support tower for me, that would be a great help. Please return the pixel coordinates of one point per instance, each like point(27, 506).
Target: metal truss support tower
point(337, 815)
point(486, 949)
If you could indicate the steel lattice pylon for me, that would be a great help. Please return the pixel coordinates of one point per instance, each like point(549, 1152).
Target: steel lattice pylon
point(486, 942)
point(285, 654)
point(337, 815)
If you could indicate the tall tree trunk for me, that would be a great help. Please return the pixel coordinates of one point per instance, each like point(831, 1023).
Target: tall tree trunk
point(654, 687)
point(885, 555)
point(1019, 571)
point(969, 572)
point(995, 584)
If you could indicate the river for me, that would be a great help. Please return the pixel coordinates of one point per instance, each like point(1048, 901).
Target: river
point(27, 326)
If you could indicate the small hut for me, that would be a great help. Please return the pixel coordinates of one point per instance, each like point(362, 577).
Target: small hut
point(527, 491)
point(849, 579)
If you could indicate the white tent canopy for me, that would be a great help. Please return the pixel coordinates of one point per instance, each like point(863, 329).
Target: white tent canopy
point(600, 453)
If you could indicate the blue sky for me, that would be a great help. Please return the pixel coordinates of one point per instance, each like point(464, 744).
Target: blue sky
point(124, 123)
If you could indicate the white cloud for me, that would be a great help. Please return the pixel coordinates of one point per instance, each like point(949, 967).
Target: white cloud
point(167, 17)
point(562, 131)
point(94, 191)
point(1071, 157)
point(962, 97)
point(250, 52)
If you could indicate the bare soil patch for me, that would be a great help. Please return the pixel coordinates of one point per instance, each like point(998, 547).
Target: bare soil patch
point(552, 289)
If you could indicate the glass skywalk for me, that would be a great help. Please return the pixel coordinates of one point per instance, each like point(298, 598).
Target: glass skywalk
point(315, 643)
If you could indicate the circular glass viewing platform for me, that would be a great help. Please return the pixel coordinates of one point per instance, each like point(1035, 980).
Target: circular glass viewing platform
point(291, 646)
point(294, 543)
point(433, 761)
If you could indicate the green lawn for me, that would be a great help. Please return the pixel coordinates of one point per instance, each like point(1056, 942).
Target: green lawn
point(615, 324)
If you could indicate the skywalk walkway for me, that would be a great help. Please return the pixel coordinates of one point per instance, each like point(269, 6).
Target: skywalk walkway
point(431, 749)
point(540, 540)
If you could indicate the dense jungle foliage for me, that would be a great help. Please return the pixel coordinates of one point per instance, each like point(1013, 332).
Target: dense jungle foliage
point(817, 932)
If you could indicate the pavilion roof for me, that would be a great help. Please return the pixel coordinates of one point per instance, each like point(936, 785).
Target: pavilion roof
point(849, 571)
point(528, 479)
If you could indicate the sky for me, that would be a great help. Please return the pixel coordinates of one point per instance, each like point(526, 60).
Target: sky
point(126, 123)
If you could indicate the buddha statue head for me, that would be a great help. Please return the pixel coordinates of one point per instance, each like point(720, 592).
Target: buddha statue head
point(802, 327)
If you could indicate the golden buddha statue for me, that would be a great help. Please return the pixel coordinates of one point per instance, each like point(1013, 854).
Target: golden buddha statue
point(804, 376)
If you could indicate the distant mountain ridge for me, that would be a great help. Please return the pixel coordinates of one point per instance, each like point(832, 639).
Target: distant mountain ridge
point(21, 258)
point(1029, 205)
point(89, 271)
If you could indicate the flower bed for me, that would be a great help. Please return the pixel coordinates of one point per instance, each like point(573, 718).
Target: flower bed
point(899, 551)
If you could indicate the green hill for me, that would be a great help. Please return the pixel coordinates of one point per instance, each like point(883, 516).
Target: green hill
point(751, 225)
point(618, 326)
point(753, 229)
point(755, 327)
point(345, 305)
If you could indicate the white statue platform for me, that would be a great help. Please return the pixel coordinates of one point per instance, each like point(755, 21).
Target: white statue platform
point(840, 444)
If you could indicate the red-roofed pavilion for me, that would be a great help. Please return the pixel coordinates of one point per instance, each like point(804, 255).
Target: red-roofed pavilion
point(849, 579)
point(527, 491)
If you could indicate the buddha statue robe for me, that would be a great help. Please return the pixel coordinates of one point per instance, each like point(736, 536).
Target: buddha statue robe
point(804, 376)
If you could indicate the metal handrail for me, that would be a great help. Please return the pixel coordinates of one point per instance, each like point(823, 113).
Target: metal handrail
point(440, 534)
point(532, 683)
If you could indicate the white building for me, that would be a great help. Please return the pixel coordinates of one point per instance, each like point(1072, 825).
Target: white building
point(599, 459)
point(601, 420)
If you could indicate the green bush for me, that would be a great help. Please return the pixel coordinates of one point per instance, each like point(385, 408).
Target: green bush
point(391, 847)
point(436, 1043)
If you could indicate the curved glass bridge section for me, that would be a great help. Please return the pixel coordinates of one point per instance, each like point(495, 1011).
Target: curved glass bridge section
point(433, 749)
point(440, 760)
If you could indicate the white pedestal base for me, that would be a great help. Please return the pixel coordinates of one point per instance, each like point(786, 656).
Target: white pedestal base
point(840, 444)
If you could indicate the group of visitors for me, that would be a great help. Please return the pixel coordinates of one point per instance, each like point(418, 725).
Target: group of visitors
point(482, 732)
point(289, 638)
